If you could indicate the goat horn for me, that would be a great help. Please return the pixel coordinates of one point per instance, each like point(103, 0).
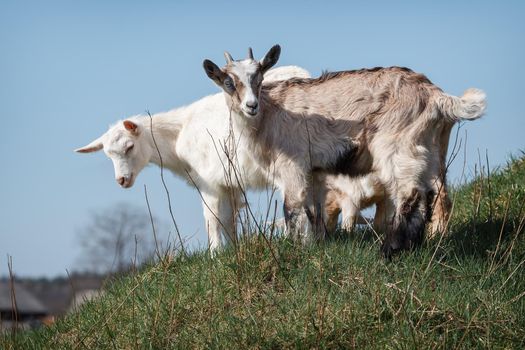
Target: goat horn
point(228, 57)
point(250, 53)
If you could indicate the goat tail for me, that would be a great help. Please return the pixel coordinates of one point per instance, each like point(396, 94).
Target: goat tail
point(470, 106)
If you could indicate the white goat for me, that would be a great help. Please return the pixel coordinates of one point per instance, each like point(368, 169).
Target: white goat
point(195, 143)
point(385, 121)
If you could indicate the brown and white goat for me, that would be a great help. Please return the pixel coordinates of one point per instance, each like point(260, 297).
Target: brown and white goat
point(384, 121)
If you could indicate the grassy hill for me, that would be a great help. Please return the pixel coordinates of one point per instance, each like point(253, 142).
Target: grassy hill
point(464, 290)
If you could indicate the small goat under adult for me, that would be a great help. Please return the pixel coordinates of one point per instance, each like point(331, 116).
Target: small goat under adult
point(349, 195)
point(385, 121)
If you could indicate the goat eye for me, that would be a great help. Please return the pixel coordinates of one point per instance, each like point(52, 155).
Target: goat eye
point(129, 148)
point(229, 84)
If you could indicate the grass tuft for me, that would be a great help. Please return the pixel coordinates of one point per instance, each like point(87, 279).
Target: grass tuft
point(463, 290)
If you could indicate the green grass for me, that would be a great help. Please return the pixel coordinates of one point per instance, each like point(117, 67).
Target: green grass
point(464, 290)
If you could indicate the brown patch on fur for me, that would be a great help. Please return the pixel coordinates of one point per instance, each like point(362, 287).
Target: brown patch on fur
point(410, 203)
point(238, 88)
point(371, 128)
point(332, 209)
point(430, 201)
point(410, 75)
point(359, 164)
point(356, 160)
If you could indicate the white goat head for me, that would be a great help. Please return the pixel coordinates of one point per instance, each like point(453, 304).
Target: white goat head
point(242, 80)
point(125, 144)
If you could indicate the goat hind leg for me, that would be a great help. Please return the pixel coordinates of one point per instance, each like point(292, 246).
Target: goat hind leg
point(441, 208)
point(383, 215)
point(332, 210)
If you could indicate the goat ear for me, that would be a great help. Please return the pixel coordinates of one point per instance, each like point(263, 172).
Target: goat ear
point(271, 58)
point(94, 146)
point(214, 73)
point(131, 126)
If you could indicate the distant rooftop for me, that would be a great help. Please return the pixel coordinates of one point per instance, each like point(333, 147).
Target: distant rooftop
point(26, 302)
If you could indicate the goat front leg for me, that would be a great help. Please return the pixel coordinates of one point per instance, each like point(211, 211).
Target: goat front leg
point(314, 207)
point(403, 176)
point(332, 209)
point(210, 206)
point(219, 217)
point(294, 215)
point(304, 222)
point(383, 215)
point(350, 211)
point(294, 187)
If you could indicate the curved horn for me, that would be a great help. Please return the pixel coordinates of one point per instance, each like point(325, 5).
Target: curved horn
point(250, 53)
point(228, 57)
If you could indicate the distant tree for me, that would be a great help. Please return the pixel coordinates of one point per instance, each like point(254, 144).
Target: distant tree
point(117, 238)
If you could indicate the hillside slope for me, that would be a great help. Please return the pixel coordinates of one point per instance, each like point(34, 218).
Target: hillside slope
point(460, 291)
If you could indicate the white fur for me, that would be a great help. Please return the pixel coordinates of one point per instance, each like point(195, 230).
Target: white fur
point(470, 106)
point(351, 195)
point(193, 142)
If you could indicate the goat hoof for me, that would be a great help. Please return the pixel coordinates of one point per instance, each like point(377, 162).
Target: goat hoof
point(390, 247)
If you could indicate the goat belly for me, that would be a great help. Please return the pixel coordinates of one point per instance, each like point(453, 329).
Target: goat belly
point(354, 161)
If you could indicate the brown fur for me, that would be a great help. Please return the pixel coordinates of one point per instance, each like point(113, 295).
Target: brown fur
point(382, 120)
point(389, 110)
point(394, 114)
point(333, 209)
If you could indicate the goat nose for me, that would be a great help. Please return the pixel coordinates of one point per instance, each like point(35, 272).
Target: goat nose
point(121, 180)
point(252, 104)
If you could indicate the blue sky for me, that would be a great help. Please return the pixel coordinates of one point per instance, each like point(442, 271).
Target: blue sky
point(70, 69)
